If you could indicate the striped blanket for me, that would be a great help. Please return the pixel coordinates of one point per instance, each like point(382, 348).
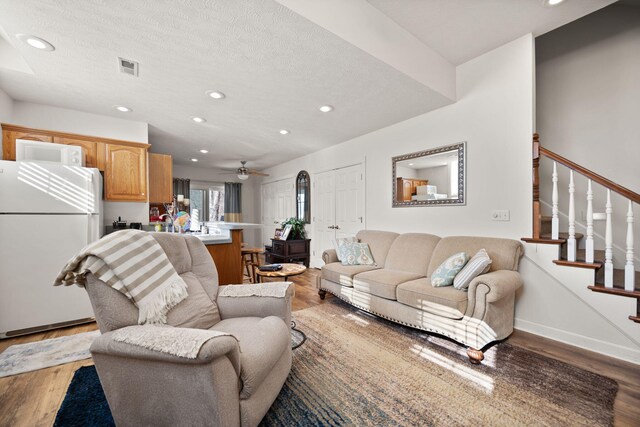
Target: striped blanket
point(132, 262)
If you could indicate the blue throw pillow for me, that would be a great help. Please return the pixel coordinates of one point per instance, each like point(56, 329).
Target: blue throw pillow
point(356, 254)
point(445, 273)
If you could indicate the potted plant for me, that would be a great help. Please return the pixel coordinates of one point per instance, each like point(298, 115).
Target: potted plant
point(297, 228)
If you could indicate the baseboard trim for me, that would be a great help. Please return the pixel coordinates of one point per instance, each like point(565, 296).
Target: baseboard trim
point(587, 343)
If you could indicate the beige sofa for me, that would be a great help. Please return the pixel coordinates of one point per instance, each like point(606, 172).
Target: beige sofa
point(398, 287)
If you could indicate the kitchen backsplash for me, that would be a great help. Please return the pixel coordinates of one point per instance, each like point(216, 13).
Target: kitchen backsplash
point(128, 211)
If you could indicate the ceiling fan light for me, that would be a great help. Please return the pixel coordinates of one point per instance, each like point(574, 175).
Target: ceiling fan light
point(243, 177)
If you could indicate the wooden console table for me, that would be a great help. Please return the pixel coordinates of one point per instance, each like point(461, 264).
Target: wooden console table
point(288, 251)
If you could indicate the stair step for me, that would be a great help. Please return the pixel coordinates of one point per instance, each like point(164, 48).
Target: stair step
point(543, 241)
point(618, 285)
point(598, 258)
point(562, 236)
point(635, 318)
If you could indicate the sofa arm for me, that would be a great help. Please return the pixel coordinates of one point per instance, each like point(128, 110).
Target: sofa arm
point(256, 300)
point(216, 347)
point(498, 284)
point(330, 256)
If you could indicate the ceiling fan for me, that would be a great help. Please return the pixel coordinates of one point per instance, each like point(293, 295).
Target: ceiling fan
point(243, 172)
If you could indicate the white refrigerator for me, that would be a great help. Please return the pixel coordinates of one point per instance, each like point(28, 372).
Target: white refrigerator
point(48, 213)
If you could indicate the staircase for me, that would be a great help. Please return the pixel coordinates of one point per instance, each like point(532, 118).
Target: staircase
point(622, 282)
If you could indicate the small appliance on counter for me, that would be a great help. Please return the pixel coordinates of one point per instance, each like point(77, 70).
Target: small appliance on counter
point(136, 225)
point(119, 224)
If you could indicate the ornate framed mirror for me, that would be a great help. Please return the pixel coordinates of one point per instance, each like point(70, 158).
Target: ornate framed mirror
point(430, 178)
point(303, 197)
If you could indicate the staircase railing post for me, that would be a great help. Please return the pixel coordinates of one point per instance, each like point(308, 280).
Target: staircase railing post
point(629, 270)
point(571, 241)
point(589, 242)
point(608, 245)
point(555, 221)
point(536, 187)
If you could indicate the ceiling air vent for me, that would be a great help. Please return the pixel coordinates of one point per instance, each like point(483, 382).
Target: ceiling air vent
point(128, 66)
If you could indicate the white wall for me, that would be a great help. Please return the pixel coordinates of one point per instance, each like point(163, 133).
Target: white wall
point(250, 194)
point(494, 114)
point(6, 107)
point(47, 117)
point(438, 176)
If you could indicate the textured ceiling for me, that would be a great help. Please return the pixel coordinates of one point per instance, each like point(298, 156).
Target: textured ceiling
point(275, 67)
point(460, 30)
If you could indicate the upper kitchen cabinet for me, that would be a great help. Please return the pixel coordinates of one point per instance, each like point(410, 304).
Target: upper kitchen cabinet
point(11, 133)
point(160, 178)
point(125, 175)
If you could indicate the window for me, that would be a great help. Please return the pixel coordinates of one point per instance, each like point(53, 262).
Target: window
point(303, 199)
point(207, 203)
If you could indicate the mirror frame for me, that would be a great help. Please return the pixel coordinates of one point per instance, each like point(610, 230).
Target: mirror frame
point(306, 215)
point(461, 148)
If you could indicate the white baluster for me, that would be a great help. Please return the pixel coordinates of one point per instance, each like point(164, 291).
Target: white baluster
point(589, 242)
point(629, 270)
point(555, 223)
point(571, 241)
point(608, 246)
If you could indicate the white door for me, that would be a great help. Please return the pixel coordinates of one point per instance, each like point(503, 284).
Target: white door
point(339, 208)
point(278, 204)
point(349, 201)
point(323, 203)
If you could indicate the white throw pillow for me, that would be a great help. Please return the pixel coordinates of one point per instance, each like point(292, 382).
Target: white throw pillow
point(338, 245)
point(357, 254)
point(479, 264)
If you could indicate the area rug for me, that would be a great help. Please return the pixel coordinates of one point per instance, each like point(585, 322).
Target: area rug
point(21, 358)
point(356, 369)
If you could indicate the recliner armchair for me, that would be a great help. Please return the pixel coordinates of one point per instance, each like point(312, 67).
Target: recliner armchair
point(232, 382)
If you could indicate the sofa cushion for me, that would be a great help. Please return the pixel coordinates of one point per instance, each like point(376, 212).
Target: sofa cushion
point(339, 243)
point(411, 252)
point(445, 301)
point(505, 254)
point(343, 274)
point(195, 311)
point(446, 272)
point(379, 242)
point(382, 282)
point(479, 264)
point(356, 254)
point(262, 343)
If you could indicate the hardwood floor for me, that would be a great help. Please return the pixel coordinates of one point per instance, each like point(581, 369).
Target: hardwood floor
point(32, 399)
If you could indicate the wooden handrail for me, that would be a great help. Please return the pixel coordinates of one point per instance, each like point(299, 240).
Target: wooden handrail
point(631, 195)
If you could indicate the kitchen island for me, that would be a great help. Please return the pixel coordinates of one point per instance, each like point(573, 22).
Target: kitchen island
point(225, 246)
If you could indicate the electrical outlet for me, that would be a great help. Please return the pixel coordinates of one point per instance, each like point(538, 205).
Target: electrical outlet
point(501, 215)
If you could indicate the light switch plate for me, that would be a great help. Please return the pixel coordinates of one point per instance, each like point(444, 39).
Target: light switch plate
point(500, 215)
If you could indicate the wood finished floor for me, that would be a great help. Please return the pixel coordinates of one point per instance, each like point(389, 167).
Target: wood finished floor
point(32, 399)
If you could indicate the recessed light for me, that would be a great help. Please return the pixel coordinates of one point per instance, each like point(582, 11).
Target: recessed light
point(284, 131)
point(198, 119)
point(36, 42)
point(410, 164)
point(326, 108)
point(204, 151)
point(216, 94)
point(122, 108)
point(552, 2)
point(194, 160)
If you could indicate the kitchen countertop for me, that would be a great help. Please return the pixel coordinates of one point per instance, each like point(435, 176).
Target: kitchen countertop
point(234, 225)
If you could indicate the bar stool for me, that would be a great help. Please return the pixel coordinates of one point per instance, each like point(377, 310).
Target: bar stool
point(250, 261)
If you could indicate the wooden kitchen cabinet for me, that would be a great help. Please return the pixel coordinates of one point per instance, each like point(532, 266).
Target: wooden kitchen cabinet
point(88, 147)
point(125, 175)
point(160, 178)
point(406, 187)
point(10, 134)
